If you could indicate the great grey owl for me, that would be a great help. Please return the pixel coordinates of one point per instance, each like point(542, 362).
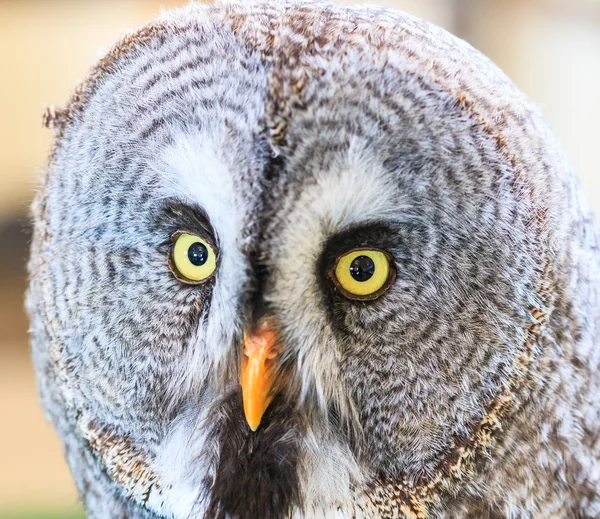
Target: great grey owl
point(298, 259)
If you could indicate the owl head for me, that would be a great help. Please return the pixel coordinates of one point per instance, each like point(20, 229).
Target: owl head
point(289, 258)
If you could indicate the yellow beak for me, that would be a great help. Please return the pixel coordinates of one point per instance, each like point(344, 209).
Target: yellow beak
point(259, 356)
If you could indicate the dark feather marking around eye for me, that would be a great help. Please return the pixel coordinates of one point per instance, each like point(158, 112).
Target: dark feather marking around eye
point(376, 235)
point(193, 219)
point(380, 235)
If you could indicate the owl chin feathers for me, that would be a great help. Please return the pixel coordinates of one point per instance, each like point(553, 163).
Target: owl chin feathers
point(231, 471)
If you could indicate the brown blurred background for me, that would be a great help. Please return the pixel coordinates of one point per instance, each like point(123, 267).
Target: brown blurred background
point(550, 48)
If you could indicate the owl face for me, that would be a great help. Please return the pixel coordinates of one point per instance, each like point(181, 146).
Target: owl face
point(277, 275)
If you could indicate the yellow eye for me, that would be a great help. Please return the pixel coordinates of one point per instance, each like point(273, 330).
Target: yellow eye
point(192, 259)
point(364, 273)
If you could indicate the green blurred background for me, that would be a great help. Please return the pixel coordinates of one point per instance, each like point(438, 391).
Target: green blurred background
point(550, 48)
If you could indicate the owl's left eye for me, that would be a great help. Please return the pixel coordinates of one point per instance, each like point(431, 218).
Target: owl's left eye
point(192, 259)
point(363, 274)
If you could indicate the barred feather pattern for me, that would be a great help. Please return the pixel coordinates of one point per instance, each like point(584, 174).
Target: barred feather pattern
point(290, 130)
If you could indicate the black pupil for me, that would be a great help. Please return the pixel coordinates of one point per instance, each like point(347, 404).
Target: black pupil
point(362, 268)
point(198, 254)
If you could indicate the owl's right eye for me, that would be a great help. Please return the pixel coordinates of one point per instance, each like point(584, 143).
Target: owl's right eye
point(192, 259)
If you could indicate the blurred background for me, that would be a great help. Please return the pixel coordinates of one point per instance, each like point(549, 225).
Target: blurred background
point(550, 48)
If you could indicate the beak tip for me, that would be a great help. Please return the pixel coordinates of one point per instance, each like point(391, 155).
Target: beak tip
point(253, 422)
point(253, 419)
